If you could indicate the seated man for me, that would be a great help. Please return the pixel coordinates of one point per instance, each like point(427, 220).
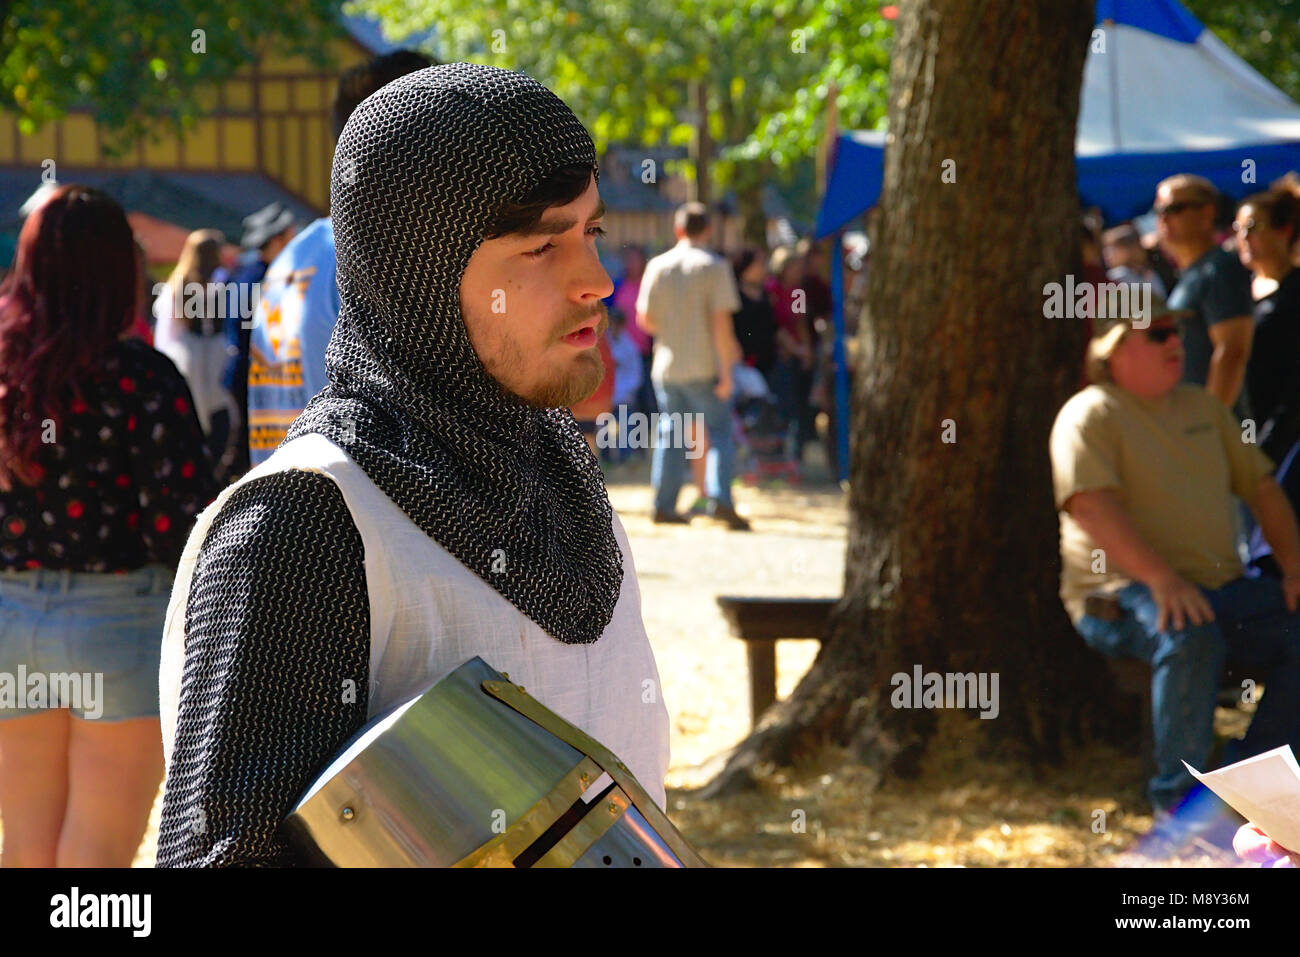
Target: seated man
point(1144, 469)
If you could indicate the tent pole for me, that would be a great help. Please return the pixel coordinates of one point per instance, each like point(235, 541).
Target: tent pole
point(1112, 61)
point(838, 356)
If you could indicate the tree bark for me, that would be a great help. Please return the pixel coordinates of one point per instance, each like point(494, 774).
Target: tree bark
point(748, 183)
point(701, 149)
point(952, 560)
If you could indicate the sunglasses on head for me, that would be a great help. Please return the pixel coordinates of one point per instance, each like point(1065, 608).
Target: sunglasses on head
point(1162, 334)
point(1173, 209)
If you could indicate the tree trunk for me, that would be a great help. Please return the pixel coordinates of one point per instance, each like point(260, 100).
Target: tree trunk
point(952, 560)
point(701, 149)
point(748, 183)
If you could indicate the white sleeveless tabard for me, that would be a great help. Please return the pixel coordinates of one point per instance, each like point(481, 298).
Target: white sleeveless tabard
point(429, 614)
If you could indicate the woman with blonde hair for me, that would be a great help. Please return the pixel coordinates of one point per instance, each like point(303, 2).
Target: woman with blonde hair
point(190, 332)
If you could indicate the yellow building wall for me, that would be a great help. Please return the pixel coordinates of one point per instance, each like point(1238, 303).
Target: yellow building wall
point(78, 141)
point(274, 120)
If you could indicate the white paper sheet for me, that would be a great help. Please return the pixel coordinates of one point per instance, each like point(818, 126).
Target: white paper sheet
point(1265, 790)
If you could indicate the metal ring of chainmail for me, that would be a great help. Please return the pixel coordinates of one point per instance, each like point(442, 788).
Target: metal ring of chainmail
point(419, 172)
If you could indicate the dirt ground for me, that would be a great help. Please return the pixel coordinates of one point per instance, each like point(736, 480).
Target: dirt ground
point(960, 812)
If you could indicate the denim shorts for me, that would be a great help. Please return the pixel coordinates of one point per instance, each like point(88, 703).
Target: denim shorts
point(86, 641)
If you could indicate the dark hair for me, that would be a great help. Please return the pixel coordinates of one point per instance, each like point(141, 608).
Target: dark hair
point(1280, 205)
point(561, 187)
point(71, 294)
point(692, 218)
point(358, 82)
point(743, 260)
point(1125, 234)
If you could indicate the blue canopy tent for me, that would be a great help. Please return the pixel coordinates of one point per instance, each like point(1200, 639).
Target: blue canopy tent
point(1161, 95)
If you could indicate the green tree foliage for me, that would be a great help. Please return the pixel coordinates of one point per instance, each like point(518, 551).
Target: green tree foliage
point(626, 66)
point(142, 65)
point(1265, 33)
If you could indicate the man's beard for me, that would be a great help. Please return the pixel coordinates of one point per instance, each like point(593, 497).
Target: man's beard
point(571, 385)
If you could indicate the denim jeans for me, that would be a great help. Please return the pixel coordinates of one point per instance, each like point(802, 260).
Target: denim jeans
point(668, 469)
point(1252, 633)
point(99, 624)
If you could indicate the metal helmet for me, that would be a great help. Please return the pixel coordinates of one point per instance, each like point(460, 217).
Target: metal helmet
point(475, 772)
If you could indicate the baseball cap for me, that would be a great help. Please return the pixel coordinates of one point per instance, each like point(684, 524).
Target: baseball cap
point(1107, 331)
point(265, 224)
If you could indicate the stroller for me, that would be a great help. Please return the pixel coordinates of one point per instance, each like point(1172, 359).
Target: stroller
point(765, 443)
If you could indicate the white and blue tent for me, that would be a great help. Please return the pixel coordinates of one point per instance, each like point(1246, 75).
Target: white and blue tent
point(1166, 96)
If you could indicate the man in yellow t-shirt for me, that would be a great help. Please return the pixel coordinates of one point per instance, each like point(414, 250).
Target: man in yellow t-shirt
point(1144, 469)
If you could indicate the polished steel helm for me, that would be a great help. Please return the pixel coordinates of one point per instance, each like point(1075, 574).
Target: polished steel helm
point(475, 772)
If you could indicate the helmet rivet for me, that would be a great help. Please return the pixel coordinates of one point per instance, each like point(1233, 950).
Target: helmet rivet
point(348, 814)
point(613, 808)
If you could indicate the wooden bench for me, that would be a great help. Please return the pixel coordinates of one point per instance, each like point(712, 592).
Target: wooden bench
point(761, 623)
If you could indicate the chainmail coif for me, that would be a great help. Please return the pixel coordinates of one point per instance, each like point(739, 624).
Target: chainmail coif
point(512, 491)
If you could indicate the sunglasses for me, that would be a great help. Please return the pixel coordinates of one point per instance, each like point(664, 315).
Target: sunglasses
point(1162, 334)
point(1173, 209)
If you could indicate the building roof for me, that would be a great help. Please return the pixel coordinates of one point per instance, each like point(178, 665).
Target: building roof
point(189, 200)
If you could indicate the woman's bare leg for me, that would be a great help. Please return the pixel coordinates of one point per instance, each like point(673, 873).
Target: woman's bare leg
point(33, 786)
point(114, 769)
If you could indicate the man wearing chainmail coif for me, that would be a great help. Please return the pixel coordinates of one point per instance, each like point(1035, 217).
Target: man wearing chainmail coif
point(436, 500)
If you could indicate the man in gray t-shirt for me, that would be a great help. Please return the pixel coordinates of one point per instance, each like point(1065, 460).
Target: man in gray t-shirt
point(1213, 289)
point(686, 302)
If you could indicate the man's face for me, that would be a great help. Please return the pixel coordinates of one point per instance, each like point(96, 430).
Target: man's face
point(275, 245)
point(1149, 362)
point(1182, 216)
point(1122, 254)
point(532, 305)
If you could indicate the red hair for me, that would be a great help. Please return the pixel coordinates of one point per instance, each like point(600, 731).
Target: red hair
point(70, 295)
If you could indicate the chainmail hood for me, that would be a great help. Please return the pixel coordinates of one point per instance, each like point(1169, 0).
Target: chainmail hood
point(512, 491)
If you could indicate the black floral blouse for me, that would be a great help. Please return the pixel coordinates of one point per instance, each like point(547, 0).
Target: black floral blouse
point(125, 474)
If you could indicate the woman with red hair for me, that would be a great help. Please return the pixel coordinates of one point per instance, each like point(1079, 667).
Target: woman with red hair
point(102, 471)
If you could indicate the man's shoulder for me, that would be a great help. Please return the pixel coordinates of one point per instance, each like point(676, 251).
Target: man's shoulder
point(1090, 404)
point(706, 257)
point(1194, 400)
point(281, 510)
point(1220, 260)
point(655, 263)
point(1215, 267)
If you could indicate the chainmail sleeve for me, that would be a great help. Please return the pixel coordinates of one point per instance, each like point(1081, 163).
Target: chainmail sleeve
point(276, 670)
